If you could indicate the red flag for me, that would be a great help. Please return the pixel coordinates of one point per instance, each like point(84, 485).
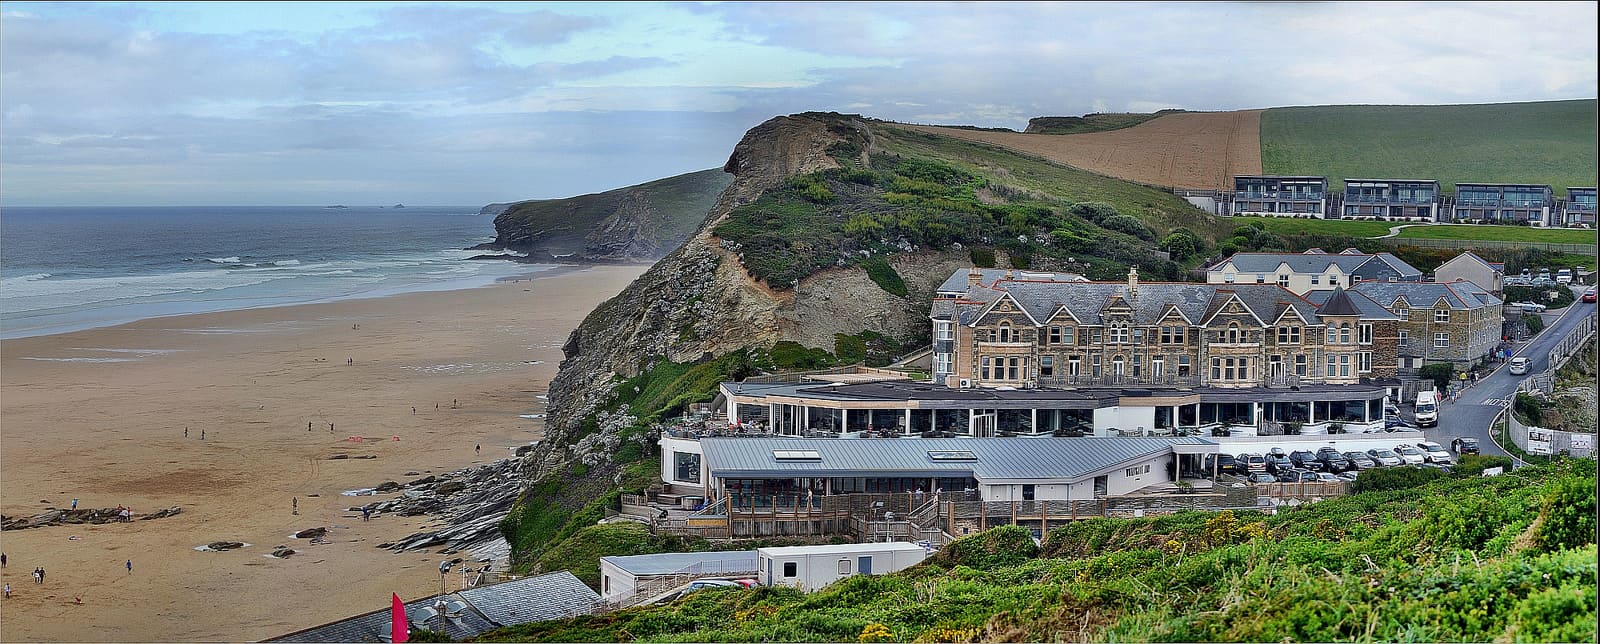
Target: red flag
point(399, 628)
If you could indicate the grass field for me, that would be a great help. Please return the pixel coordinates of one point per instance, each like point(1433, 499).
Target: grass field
point(1543, 143)
point(1500, 233)
point(1286, 226)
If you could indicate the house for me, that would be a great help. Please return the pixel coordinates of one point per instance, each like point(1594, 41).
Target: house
point(469, 612)
point(1313, 270)
point(1390, 199)
point(811, 568)
point(623, 577)
point(1276, 196)
point(1579, 208)
point(1504, 203)
point(1468, 266)
point(1455, 322)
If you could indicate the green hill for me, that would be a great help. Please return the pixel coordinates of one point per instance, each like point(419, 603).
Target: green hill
point(1506, 558)
point(1549, 142)
point(639, 222)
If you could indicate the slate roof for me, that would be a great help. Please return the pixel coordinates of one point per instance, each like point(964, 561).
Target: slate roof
point(1370, 308)
point(1298, 262)
point(1399, 265)
point(957, 282)
point(1086, 300)
point(1460, 294)
point(1493, 266)
point(1338, 304)
point(667, 563)
point(997, 459)
point(522, 601)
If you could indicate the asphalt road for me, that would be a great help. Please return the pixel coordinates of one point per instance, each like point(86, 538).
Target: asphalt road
point(1473, 411)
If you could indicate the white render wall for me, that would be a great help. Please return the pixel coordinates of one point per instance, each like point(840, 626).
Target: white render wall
point(1123, 417)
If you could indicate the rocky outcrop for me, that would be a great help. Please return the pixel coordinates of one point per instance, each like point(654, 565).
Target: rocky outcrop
point(470, 502)
point(636, 223)
point(76, 517)
point(699, 301)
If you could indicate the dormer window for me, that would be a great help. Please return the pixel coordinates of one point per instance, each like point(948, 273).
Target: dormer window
point(1405, 314)
point(1441, 315)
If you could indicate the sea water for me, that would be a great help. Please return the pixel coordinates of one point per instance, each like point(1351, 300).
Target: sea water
point(64, 269)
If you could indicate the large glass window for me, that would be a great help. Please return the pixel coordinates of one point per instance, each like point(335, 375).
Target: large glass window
point(1288, 335)
point(686, 467)
point(944, 330)
point(1183, 366)
point(1066, 335)
point(1047, 366)
point(942, 363)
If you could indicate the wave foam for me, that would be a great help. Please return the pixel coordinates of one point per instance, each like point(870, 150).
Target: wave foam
point(92, 360)
point(224, 260)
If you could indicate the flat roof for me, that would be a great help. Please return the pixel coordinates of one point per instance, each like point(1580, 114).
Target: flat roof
point(838, 548)
point(927, 394)
point(665, 563)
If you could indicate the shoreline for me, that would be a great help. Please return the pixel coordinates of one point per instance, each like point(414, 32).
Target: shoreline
point(279, 393)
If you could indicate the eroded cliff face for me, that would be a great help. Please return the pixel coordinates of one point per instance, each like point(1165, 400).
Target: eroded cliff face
point(632, 224)
point(699, 301)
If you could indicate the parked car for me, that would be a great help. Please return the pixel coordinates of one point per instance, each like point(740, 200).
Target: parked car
point(1564, 276)
point(1588, 296)
point(1411, 455)
point(1530, 307)
point(1262, 477)
point(1253, 462)
point(1306, 460)
point(747, 583)
point(1435, 452)
point(1348, 477)
point(1440, 466)
point(1224, 464)
point(1326, 477)
point(1333, 460)
point(1360, 460)
point(702, 584)
point(1278, 461)
point(1291, 475)
point(1518, 366)
point(1385, 457)
point(1397, 425)
point(1463, 446)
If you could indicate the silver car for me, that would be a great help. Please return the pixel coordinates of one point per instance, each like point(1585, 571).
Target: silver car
point(1385, 457)
point(1411, 455)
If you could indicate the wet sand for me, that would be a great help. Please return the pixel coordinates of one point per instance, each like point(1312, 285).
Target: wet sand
point(99, 415)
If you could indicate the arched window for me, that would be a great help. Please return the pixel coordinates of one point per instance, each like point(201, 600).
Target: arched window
point(1005, 331)
point(1344, 333)
point(1116, 366)
point(1233, 332)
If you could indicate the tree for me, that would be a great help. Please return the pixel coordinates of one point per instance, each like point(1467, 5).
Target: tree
point(1440, 373)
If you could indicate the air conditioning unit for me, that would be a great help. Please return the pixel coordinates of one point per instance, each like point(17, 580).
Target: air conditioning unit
point(966, 383)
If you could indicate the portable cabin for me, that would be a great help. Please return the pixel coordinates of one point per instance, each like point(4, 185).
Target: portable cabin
point(812, 567)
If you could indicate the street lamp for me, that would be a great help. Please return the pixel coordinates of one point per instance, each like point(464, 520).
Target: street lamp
point(877, 509)
point(439, 605)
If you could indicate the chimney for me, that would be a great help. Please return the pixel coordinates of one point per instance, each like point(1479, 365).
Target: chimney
point(1008, 274)
point(974, 276)
point(1133, 281)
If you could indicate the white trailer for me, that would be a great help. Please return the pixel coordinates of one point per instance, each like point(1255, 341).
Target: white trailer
point(812, 567)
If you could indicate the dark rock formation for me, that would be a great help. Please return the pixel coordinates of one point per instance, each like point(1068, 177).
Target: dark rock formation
point(470, 502)
point(75, 517)
point(311, 533)
point(223, 546)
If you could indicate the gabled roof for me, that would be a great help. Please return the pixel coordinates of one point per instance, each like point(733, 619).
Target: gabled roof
point(1458, 294)
point(1473, 257)
point(1400, 266)
point(1370, 309)
point(1314, 261)
point(1086, 301)
point(995, 459)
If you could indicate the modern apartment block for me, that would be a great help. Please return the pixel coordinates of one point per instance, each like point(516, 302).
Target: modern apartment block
point(1505, 203)
point(1580, 207)
point(1390, 199)
point(1274, 196)
point(1313, 270)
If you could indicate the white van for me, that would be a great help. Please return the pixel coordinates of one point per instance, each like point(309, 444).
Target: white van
point(1519, 366)
point(1564, 276)
point(1427, 408)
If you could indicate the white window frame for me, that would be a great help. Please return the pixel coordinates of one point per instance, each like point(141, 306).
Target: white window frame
point(1364, 362)
point(944, 330)
point(942, 363)
point(1405, 314)
point(1441, 340)
point(1405, 338)
point(1365, 333)
point(1441, 316)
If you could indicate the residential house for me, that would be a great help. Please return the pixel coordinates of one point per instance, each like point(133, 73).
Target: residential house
point(1455, 322)
point(1313, 270)
point(1504, 203)
point(1276, 196)
point(1468, 266)
point(1579, 208)
point(1390, 199)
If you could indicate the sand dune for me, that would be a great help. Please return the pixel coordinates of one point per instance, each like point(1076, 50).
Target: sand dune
point(1200, 150)
point(112, 433)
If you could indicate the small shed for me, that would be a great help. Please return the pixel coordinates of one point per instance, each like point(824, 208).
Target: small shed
point(622, 577)
point(812, 567)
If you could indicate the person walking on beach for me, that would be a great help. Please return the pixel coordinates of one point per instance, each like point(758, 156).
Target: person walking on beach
point(129, 564)
point(2, 559)
point(308, 426)
point(413, 410)
point(8, 590)
point(294, 505)
point(202, 434)
point(74, 504)
point(186, 432)
point(366, 513)
point(478, 449)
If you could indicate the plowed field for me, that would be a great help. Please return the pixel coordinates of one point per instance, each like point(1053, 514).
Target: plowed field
point(1200, 150)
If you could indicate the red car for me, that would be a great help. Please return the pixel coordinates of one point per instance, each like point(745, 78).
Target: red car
point(1588, 296)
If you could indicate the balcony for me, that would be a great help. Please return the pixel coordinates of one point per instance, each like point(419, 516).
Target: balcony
point(1111, 380)
point(1278, 196)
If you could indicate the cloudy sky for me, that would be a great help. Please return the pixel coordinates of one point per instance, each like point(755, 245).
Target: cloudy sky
point(464, 104)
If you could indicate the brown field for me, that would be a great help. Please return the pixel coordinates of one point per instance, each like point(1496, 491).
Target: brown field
point(1200, 150)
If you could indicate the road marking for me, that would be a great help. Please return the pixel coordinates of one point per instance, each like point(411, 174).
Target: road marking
point(1498, 402)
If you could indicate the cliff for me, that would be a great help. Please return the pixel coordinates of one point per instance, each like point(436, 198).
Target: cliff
point(825, 216)
point(635, 223)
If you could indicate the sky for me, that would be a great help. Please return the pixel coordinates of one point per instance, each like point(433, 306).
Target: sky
point(472, 103)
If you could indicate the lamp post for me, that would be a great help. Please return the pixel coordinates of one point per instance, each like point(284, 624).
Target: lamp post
point(438, 606)
point(877, 509)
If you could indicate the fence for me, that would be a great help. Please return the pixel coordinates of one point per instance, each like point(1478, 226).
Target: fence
point(1579, 249)
point(1569, 345)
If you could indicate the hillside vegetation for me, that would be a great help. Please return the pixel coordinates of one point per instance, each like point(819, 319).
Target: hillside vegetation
point(924, 191)
point(1090, 122)
point(1507, 558)
point(1543, 143)
point(638, 222)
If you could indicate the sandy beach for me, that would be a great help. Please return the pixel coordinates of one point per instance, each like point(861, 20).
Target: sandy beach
point(100, 416)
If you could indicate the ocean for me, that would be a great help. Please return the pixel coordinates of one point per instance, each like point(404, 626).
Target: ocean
point(65, 269)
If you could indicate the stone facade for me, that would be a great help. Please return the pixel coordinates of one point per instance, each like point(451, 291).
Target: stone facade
point(1016, 333)
point(1454, 322)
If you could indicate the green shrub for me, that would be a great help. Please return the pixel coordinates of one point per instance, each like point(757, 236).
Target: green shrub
point(1568, 511)
point(1527, 408)
point(1474, 464)
point(1440, 373)
point(1534, 323)
point(982, 257)
point(994, 548)
point(1395, 478)
point(884, 275)
point(793, 356)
